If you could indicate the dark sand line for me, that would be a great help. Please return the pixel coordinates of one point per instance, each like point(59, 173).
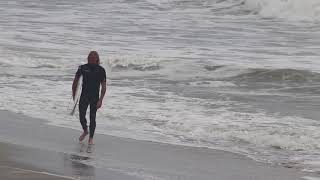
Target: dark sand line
point(45, 148)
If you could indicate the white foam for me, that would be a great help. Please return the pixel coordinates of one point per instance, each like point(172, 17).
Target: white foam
point(310, 178)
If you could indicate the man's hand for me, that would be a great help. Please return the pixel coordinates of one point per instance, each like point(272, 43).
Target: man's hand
point(99, 104)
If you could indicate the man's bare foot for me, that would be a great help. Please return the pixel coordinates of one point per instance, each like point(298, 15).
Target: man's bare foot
point(83, 135)
point(90, 142)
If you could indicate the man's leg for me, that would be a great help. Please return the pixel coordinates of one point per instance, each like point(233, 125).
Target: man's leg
point(92, 127)
point(83, 106)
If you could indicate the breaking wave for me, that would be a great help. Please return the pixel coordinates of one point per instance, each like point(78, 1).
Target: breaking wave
point(137, 65)
point(279, 75)
point(263, 74)
point(295, 10)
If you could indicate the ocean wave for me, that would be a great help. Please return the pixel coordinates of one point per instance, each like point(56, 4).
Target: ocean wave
point(214, 5)
point(28, 62)
point(223, 72)
point(293, 10)
point(50, 66)
point(296, 10)
point(137, 65)
point(278, 75)
point(212, 68)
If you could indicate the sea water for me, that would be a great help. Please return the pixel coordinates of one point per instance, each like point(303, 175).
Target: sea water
point(237, 75)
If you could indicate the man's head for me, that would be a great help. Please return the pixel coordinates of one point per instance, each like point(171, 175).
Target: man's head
point(93, 58)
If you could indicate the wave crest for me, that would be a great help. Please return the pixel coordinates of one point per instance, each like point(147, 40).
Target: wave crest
point(138, 65)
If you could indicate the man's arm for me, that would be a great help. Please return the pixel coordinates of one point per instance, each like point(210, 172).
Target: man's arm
point(103, 90)
point(75, 85)
point(102, 93)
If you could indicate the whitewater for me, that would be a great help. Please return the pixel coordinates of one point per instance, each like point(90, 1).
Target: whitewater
point(237, 75)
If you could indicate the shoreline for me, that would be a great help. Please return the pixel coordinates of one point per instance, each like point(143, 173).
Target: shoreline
point(33, 145)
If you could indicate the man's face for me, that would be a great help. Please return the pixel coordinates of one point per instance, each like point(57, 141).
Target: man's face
point(93, 58)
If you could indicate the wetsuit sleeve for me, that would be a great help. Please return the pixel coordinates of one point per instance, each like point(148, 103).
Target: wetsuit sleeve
point(79, 72)
point(103, 76)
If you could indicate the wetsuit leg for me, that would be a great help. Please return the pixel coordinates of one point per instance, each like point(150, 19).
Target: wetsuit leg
point(93, 112)
point(83, 106)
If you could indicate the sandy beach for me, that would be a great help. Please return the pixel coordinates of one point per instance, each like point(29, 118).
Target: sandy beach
point(31, 149)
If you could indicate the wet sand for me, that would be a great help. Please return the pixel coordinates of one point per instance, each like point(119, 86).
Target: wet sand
point(13, 173)
point(32, 149)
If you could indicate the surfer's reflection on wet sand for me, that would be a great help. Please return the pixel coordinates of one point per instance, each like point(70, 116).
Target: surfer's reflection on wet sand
point(79, 169)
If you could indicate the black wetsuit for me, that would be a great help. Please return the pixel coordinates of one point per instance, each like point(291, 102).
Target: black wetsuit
point(92, 76)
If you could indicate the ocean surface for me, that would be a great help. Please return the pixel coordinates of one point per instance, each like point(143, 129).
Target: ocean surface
point(237, 75)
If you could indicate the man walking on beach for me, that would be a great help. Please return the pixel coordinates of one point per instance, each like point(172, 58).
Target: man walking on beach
point(93, 75)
